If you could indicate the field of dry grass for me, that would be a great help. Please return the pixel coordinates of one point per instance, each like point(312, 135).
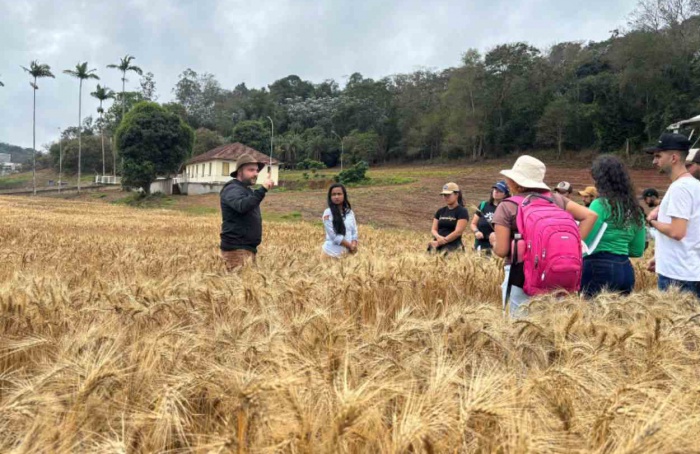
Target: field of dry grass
point(119, 332)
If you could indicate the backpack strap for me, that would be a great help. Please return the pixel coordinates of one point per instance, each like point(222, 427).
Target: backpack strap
point(482, 205)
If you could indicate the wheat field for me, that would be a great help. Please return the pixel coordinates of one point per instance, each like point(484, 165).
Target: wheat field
point(121, 333)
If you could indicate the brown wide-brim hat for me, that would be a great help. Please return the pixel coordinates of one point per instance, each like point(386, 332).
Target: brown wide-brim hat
point(247, 159)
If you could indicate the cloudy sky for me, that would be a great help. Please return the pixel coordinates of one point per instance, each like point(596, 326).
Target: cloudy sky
point(257, 42)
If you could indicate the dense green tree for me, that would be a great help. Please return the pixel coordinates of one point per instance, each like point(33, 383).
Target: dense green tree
point(253, 133)
point(554, 122)
point(152, 142)
point(205, 140)
point(91, 154)
point(148, 87)
point(199, 94)
point(290, 88)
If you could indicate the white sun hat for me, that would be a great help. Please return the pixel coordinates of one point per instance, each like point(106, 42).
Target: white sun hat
point(527, 172)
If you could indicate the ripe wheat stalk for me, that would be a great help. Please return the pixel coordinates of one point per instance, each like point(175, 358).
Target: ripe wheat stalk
point(120, 332)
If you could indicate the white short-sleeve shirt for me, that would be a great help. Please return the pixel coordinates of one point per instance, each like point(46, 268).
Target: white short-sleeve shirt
point(680, 259)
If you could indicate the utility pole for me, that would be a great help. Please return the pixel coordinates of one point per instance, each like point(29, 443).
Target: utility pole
point(272, 141)
point(60, 158)
point(342, 139)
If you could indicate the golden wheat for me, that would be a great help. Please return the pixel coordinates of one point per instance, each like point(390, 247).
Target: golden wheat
point(122, 333)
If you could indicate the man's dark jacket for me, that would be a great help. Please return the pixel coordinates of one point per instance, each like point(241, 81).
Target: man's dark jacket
point(240, 209)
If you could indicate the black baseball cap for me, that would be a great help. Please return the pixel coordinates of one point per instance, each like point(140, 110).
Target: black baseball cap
point(670, 141)
point(651, 192)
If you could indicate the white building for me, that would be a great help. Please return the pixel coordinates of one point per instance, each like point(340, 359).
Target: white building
point(209, 171)
point(7, 168)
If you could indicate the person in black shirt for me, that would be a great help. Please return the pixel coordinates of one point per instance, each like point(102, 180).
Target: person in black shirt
point(450, 222)
point(241, 226)
point(482, 222)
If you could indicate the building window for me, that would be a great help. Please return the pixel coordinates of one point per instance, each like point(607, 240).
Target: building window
point(210, 169)
point(224, 167)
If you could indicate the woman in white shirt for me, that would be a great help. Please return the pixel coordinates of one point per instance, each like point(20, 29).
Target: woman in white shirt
point(339, 223)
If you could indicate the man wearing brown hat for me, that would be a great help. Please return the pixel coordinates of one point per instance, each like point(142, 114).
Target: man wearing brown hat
point(241, 229)
point(589, 195)
point(692, 163)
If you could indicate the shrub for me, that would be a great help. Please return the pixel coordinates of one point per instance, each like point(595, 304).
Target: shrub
point(310, 164)
point(355, 174)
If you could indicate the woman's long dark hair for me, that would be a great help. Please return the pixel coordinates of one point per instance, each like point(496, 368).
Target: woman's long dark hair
point(460, 200)
point(616, 189)
point(338, 217)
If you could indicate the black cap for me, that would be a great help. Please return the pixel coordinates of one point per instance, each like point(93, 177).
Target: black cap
point(651, 192)
point(670, 141)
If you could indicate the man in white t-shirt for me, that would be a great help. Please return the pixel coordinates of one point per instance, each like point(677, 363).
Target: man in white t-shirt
point(677, 220)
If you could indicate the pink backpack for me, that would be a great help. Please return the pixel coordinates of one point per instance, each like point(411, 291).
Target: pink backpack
point(549, 245)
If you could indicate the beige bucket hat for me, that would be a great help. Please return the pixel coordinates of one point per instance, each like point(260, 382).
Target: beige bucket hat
point(527, 172)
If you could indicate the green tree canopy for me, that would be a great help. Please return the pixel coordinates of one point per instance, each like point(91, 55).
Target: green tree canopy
point(205, 140)
point(255, 134)
point(152, 142)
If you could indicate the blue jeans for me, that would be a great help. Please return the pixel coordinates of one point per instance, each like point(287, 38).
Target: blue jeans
point(606, 271)
point(684, 286)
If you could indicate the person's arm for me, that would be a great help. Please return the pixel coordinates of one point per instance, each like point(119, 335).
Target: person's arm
point(500, 241)
point(434, 230)
point(679, 206)
point(353, 232)
point(459, 230)
point(330, 233)
point(475, 225)
point(500, 238)
point(598, 208)
point(677, 229)
point(242, 200)
point(584, 216)
point(638, 243)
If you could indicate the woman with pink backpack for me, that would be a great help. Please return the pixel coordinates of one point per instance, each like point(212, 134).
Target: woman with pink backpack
point(539, 233)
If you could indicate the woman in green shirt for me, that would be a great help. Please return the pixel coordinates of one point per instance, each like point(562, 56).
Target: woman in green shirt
point(618, 234)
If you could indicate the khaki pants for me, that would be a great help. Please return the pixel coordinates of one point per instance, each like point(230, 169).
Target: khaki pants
point(237, 258)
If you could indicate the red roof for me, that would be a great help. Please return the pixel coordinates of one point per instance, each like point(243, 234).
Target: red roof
point(231, 152)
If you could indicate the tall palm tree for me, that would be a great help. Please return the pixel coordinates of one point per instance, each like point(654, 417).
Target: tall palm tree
point(37, 71)
point(81, 72)
point(124, 66)
point(103, 94)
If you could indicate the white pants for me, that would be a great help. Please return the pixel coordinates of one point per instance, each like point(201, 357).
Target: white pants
point(517, 297)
